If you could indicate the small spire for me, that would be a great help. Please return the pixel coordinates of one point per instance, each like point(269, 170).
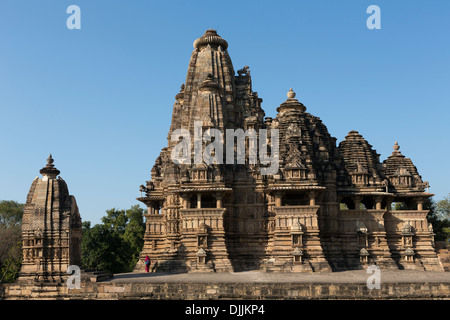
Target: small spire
point(291, 94)
point(49, 169)
point(291, 103)
point(396, 151)
point(50, 161)
point(396, 146)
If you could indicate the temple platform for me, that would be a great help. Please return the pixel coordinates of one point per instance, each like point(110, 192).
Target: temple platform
point(254, 285)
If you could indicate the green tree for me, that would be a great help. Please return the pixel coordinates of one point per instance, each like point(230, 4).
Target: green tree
point(104, 249)
point(115, 220)
point(441, 227)
point(11, 213)
point(114, 245)
point(10, 254)
point(134, 233)
point(443, 209)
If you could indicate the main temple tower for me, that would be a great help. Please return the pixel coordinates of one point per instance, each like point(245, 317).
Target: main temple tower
point(323, 208)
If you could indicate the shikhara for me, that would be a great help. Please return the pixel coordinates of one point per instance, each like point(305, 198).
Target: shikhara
point(253, 151)
point(213, 207)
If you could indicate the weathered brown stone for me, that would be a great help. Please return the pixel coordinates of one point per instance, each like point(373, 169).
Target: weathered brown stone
point(326, 208)
point(199, 290)
point(51, 229)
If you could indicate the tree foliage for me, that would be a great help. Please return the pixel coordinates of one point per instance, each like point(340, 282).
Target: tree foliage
point(114, 245)
point(11, 213)
point(442, 209)
point(438, 218)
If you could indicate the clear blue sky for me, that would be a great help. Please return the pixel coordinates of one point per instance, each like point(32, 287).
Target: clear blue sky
point(100, 98)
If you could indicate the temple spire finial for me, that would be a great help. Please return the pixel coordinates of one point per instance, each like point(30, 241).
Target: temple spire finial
point(291, 103)
point(396, 151)
point(291, 94)
point(396, 146)
point(49, 170)
point(212, 39)
point(50, 161)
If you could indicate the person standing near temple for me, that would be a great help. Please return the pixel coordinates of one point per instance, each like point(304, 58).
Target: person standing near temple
point(147, 263)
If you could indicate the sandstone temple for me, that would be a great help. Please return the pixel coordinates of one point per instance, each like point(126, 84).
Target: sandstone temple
point(51, 229)
point(327, 207)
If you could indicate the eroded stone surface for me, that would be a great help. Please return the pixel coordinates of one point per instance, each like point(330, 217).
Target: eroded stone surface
point(51, 229)
point(327, 208)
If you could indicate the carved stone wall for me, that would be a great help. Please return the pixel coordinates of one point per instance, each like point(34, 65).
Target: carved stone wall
point(327, 207)
point(51, 229)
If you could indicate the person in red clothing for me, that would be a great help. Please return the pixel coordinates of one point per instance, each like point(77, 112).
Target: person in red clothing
point(147, 263)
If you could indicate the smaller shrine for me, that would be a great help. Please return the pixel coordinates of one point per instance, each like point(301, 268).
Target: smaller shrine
point(51, 229)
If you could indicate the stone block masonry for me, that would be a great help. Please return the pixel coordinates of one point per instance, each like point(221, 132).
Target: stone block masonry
point(51, 229)
point(326, 207)
point(237, 291)
point(246, 285)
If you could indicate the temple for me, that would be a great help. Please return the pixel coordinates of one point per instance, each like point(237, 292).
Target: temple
point(327, 207)
point(51, 229)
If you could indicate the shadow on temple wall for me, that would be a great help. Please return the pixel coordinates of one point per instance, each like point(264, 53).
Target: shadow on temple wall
point(174, 263)
point(394, 239)
point(246, 234)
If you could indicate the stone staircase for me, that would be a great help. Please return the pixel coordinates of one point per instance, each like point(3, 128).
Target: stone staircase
point(89, 275)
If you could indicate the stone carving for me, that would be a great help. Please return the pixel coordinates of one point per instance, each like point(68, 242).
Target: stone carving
point(253, 220)
point(293, 130)
point(244, 71)
point(51, 229)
